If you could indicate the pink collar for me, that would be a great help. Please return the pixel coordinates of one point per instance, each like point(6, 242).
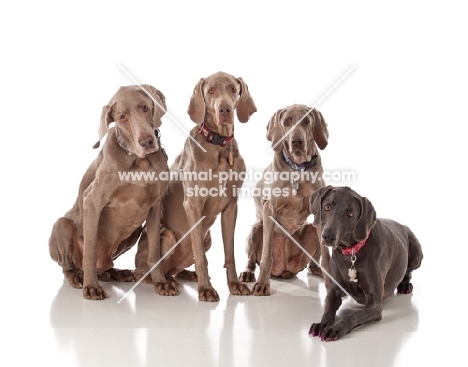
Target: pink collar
point(352, 250)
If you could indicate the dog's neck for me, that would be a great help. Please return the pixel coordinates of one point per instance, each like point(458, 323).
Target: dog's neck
point(122, 143)
point(300, 166)
point(213, 137)
point(353, 250)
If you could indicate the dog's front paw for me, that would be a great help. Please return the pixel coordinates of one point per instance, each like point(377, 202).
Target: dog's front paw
point(247, 276)
point(326, 332)
point(208, 294)
point(167, 288)
point(261, 289)
point(94, 292)
point(239, 289)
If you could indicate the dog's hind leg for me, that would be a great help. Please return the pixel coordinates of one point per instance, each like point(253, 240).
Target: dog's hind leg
point(415, 257)
point(191, 275)
point(122, 275)
point(61, 249)
point(313, 243)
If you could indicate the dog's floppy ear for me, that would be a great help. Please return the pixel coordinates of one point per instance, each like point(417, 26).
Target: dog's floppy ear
point(366, 221)
point(196, 108)
point(315, 203)
point(159, 103)
point(320, 130)
point(246, 106)
point(106, 119)
point(274, 131)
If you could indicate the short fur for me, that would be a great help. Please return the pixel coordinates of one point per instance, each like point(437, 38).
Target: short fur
point(106, 219)
point(384, 264)
point(213, 103)
point(267, 244)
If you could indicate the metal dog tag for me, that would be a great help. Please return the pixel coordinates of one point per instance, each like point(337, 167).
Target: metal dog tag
point(352, 272)
point(231, 155)
point(294, 187)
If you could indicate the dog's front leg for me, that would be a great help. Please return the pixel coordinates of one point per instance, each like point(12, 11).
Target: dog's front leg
point(262, 286)
point(193, 207)
point(332, 304)
point(228, 223)
point(160, 283)
point(371, 312)
point(92, 208)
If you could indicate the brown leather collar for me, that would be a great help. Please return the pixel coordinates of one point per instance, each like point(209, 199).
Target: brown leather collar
point(213, 137)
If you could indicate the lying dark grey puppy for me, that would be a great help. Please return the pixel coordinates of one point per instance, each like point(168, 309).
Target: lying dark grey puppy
point(370, 258)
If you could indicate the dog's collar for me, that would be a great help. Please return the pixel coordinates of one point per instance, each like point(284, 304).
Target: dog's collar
point(300, 166)
point(353, 250)
point(123, 143)
point(213, 137)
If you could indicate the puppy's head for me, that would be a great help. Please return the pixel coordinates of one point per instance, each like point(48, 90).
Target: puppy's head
point(137, 113)
point(345, 216)
point(297, 130)
point(216, 97)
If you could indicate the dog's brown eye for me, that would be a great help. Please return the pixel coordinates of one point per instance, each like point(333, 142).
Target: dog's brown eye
point(326, 207)
point(350, 214)
point(122, 117)
point(306, 121)
point(210, 91)
point(286, 122)
point(233, 90)
point(145, 108)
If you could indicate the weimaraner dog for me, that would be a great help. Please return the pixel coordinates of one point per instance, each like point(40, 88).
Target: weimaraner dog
point(370, 258)
point(186, 202)
point(107, 217)
point(287, 202)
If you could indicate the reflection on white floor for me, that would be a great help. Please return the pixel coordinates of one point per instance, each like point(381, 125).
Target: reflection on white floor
point(54, 325)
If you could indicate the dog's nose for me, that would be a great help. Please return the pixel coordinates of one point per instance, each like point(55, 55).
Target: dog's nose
point(328, 237)
point(147, 143)
point(224, 109)
point(298, 143)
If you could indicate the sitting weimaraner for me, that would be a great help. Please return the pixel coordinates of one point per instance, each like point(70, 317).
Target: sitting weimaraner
point(187, 201)
point(370, 258)
point(296, 133)
point(108, 214)
point(296, 153)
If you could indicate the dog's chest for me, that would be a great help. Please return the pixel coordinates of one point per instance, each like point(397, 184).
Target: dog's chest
point(292, 214)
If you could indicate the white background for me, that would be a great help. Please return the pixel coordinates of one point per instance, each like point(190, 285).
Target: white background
point(396, 120)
